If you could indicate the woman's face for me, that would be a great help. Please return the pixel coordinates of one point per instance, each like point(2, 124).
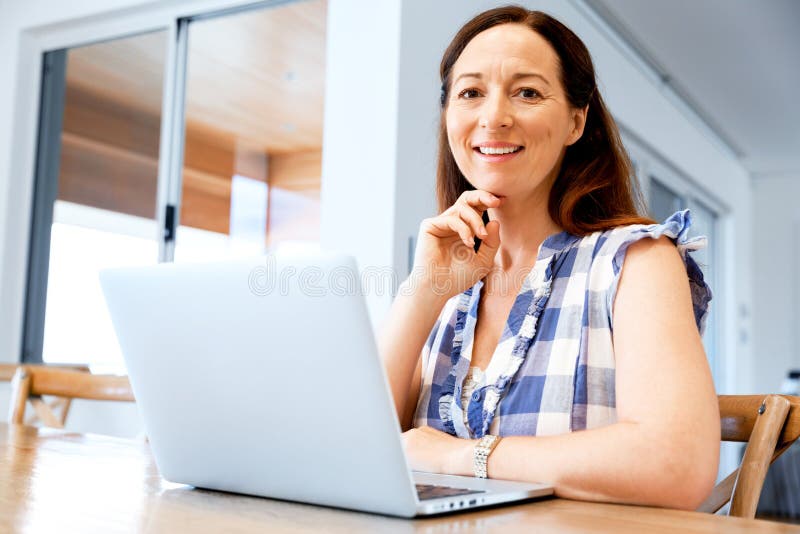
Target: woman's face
point(508, 119)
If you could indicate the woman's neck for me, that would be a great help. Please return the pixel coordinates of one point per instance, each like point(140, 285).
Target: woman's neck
point(524, 225)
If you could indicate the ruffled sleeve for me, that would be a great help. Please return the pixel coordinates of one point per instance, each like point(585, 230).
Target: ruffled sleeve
point(676, 227)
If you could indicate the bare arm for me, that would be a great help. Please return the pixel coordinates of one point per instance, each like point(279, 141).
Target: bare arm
point(664, 449)
point(400, 342)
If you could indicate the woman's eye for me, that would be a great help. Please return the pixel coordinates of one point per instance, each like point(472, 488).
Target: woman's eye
point(469, 93)
point(529, 93)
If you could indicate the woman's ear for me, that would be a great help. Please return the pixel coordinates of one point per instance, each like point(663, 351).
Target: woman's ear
point(578, 123)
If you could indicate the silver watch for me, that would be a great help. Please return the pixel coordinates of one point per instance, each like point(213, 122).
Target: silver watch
point(481, 454)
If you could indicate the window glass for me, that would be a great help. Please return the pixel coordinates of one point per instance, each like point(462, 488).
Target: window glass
point(663, 201)
point(253, 132)
point(105, 211)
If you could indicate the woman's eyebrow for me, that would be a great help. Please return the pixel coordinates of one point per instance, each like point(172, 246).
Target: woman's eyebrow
point(520, 75)
point(515, 77)
point(469, 75)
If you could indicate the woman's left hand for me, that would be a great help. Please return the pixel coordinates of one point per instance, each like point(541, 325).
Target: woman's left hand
point(432, 451)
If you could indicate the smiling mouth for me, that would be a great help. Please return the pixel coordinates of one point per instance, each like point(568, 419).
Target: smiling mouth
point(497, 151)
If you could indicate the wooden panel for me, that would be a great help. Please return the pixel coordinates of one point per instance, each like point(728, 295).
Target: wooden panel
point(107, 177)
point(94, 116)
point(255, 86)
point(257, 76)
point(209, 151)
point(128, 70)
point(261, 75)
point(109, 161)
point(206, 202)
point(109, 154)
point(296, 171)
point(251, 162)
point(104, 176)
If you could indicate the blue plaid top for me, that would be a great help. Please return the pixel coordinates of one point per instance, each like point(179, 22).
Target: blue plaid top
point(553, 370)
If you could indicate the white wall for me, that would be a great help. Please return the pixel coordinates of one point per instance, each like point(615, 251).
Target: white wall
point(380, 130)
point(360, 144)
point(776, 277)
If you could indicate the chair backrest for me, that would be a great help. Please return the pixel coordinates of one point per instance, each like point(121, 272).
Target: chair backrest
point(769, 424)
point(8, 370)
point(30, 383)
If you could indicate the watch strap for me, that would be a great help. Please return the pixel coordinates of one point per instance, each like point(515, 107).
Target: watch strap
point(483, 449)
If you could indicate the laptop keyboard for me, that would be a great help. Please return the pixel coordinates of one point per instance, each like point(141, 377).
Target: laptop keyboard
point(428, 491)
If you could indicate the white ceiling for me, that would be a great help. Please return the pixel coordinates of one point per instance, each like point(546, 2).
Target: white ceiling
point(736, 62)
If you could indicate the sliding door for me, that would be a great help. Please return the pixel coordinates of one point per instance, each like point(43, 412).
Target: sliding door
point(238, 170)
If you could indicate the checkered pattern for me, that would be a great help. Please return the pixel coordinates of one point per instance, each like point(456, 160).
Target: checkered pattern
point(553, 370)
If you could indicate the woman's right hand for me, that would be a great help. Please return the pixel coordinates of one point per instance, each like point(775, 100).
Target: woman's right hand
point(445, 260)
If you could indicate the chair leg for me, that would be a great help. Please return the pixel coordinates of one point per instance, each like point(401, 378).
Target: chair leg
point(60, 406)
point(20, 388)
point(758, 455)
point(45, 414)
point(720, 496)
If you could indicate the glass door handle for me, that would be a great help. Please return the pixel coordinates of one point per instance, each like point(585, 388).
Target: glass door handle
point(169, 224)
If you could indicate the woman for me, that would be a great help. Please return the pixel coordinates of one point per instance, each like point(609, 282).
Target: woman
point(568, 335)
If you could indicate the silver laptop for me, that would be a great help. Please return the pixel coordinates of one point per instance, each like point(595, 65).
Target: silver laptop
point(262, 377)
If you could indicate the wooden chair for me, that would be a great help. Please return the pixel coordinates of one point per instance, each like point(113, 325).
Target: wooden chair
point(769, 425)
point(30, 383)
point(58, 406)
point(7, 370)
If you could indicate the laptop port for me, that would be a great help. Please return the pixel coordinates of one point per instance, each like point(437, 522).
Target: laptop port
point(473, 502)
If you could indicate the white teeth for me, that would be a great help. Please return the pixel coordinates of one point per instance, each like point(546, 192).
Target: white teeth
point(489, 150)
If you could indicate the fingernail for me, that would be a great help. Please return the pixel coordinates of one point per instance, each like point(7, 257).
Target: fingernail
point(483, 232)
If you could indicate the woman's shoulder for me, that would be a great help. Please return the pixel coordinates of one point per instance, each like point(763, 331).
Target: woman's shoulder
point(614, 242)
point(650, 244)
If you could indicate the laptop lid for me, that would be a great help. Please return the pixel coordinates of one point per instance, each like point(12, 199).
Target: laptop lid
point(262, 377)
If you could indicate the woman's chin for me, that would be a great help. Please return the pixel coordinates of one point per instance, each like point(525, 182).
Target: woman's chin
point(499, 192)
point(492, 186)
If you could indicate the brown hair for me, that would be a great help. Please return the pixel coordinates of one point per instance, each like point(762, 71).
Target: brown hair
point(594, 189)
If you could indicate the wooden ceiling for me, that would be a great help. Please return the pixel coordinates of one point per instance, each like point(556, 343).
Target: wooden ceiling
point(127, 71)
point(261, 76)
point(255, 79)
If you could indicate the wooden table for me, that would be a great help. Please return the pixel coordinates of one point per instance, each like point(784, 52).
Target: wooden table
point(56, 481)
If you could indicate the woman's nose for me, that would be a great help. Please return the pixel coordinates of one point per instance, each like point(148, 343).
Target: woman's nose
point(496, 113)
